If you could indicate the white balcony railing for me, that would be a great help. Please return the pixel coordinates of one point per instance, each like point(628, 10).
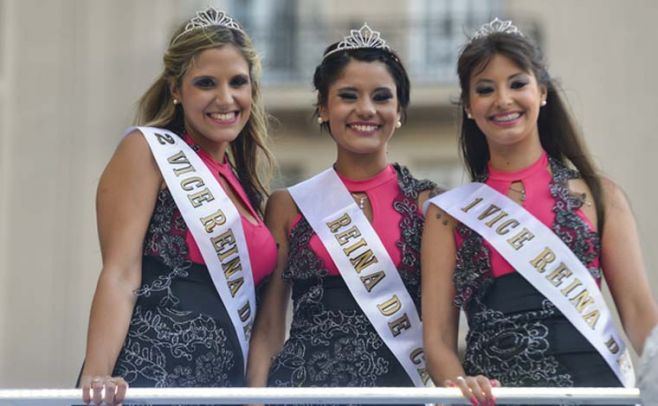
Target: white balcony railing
point(215, 396)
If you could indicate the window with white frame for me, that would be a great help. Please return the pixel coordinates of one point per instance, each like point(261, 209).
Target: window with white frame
point(288, 34)
point(291, 34)
point(437, 31)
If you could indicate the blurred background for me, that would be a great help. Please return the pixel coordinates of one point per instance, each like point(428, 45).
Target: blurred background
point(71, 72)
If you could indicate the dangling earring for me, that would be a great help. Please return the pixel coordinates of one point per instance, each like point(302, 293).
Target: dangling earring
point(398, 124)
point(320, 120)
point(543, 103)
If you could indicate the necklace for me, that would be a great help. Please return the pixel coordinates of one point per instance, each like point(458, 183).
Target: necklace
point(361, 199)
point(521, 192)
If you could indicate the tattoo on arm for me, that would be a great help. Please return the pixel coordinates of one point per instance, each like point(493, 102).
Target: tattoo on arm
point(440, 214)
point(436, 191)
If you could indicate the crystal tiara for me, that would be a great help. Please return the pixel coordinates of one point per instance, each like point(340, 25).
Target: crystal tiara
point(364, 37)
point(496, 26)
point(208, 18)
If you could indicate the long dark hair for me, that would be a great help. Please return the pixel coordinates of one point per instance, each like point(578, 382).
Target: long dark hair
point(557, 133)
point(332, 66)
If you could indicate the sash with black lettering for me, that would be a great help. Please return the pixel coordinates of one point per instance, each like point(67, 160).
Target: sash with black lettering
point(545, 261)
point(215, 223)
point(368, 270)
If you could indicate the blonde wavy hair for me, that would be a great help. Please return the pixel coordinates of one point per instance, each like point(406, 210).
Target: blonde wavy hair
point(249, 153)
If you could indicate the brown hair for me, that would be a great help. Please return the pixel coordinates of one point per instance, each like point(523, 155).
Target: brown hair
point(557, 132)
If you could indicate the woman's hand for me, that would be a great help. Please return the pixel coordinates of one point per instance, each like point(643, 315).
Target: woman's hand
point(104, 390)
point(477, 389)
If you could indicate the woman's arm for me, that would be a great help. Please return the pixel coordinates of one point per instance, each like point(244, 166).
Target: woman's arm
point(269, 329)
point(440, 315)
point(623, 267)
point(126, 196)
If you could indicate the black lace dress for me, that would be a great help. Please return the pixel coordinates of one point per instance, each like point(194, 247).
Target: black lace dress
point(331, 342)
point(516, 335)
point(180, 334)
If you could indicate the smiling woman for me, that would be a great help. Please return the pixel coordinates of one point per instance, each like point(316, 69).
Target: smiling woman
point(179, 218)
point(216, 96)
point(362, 109)
point(524, 250)
point(348, 240)
point(504, 102)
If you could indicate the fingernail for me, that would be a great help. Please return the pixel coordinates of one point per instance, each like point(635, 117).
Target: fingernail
point(474, 401)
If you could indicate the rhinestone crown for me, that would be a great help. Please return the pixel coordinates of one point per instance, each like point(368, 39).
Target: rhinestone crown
point(208, 18)
point(364, 37)
point(496, 26)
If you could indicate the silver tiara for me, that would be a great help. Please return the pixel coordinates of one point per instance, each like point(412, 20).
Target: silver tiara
point(208, 18)
point(496, 26)
point(364, 37)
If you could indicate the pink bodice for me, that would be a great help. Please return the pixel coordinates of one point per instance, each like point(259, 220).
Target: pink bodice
point(536, 179)
point(382, 189)
point(261, 245)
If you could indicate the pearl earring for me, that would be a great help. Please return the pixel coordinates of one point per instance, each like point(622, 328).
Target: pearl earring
point(175, 101)
point(398, 124)
point(469, 115)
point(543, 103)
point(320, 121)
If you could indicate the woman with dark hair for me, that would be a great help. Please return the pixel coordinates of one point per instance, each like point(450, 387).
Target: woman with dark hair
point(349, 240)
point(178, 208)
point(524, 252)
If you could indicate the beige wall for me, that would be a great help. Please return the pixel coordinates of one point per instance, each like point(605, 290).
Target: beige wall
point(70, 72)
point(603, 52)
point(70, 75)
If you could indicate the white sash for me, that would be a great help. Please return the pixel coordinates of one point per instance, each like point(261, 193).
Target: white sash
point(215, 224)
point(545, 261)
point(366, 267)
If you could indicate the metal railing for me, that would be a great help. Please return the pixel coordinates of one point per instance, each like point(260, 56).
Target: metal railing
point(236, 396)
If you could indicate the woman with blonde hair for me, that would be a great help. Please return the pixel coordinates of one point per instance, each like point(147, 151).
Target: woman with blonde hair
point(179, 217)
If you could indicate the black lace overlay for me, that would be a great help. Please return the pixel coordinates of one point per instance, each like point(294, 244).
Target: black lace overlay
point(180, 334)
point(515, 334)
point(514, 348)
point(331, 342)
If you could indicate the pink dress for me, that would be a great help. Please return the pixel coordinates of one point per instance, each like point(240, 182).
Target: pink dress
point(381, 189)
point(539, 201)
point(261, 245)
point(516, 334)
point(332, 342)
